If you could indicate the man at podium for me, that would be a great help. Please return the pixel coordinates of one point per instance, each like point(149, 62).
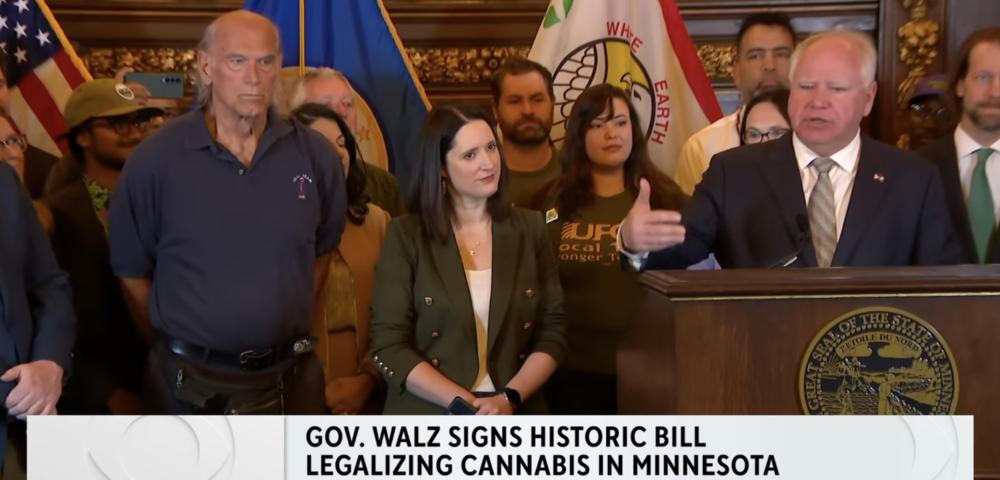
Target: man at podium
point(824, 196)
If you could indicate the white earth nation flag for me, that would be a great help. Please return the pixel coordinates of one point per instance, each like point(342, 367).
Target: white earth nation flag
point(641, 46)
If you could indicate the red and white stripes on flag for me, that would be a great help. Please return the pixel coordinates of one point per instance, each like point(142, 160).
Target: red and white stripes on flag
point(42, 71)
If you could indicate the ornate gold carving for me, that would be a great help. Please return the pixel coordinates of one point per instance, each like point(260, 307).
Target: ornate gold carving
point(918, 44)
point(105, 62)
point(455, 65)
point(718, 60)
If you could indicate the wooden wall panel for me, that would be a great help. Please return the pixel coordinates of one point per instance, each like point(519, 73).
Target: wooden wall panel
point(457, 44)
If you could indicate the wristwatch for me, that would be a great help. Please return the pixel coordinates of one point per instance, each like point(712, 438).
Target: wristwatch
point(513, 397)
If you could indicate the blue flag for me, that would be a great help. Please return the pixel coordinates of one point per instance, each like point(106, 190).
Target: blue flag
point(357, 38)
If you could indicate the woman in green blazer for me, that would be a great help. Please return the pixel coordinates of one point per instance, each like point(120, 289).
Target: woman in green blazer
point(467, 300)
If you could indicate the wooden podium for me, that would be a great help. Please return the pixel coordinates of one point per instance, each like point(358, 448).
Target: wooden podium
point(732, 342)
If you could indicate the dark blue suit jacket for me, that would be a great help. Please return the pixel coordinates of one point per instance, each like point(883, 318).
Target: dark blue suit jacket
point(750, 211)
point(36, 312)
point(944, 154)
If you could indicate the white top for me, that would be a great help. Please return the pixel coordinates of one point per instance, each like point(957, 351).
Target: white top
point(841, 175)
point(480, 288)
point(966, 148)
point(699, 149)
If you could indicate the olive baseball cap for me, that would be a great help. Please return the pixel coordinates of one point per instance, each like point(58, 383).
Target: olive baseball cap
point(103, 97)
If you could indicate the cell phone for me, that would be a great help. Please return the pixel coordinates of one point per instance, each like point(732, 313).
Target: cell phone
point(160, 85)
point(459, 406)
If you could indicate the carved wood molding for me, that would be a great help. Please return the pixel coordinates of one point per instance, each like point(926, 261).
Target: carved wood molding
point(105, 62)
point(466, 66)
point(919, 39)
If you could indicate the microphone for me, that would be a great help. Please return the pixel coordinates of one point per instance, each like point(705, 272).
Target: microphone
point(803, 237)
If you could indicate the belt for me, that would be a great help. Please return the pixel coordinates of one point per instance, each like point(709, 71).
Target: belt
point(250, 359)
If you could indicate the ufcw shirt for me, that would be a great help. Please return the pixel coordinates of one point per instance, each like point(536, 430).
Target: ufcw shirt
point(599, 297)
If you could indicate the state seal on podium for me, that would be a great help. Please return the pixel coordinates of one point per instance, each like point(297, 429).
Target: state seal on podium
point(878, 361)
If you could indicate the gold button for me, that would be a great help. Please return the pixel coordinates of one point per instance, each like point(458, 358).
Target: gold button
point(529, 292)
point(385, 368)
point(435, 334)
point(428, 301)
point(527, 325)
point(242, 171)
point(375, 357)
point(391, 373)
point(435, 362)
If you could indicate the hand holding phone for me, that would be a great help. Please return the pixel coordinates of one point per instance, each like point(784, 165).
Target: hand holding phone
point(459, 406)
point(160, 85)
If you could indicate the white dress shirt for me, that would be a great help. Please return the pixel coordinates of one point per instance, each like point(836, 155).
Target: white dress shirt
point(841, 175)
point(966, 149)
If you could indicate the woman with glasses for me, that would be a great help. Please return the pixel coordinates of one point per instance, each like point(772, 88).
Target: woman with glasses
point(766, 117)
point(13, 146)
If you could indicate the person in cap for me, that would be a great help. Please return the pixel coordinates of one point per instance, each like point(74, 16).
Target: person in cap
point(106, 121)
point(221, 231)
point(928, 115)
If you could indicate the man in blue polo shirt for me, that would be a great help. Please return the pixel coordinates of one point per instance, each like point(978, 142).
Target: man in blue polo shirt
point(220, 228)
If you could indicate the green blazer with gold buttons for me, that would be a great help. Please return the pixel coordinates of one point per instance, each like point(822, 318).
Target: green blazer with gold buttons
point(422, 309)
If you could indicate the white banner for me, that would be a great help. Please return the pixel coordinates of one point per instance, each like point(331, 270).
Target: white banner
point(451, 447)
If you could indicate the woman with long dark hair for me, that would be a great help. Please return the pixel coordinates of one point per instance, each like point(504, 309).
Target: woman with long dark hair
point(467, 305)
point(606, 164)
point(343, 319)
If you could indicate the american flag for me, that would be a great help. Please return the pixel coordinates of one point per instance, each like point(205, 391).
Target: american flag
point(42, 71)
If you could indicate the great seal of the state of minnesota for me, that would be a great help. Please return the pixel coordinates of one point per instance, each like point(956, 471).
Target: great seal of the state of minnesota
point(878, 361)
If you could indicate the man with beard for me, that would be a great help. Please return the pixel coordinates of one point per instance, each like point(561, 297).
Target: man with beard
point(330, 87)
point(522, 104)
point(106, 122)
point(969, 160)
point(764, 46)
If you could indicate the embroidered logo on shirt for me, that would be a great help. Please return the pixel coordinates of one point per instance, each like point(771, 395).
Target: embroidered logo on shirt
point(300, 181)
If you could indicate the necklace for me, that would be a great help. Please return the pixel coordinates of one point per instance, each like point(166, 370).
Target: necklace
point(472, 251)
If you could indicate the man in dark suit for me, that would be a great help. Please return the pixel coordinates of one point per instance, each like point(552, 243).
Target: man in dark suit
point(823, 196)
point(969, 159)
point(36, 317)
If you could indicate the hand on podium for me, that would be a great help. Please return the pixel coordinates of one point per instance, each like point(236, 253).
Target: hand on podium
point(647, 230)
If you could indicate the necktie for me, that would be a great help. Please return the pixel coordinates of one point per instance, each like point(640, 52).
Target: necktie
point(823, 213)
point(982, 216)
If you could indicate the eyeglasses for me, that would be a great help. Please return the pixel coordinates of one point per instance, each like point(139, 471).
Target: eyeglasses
point(924, 110)
point(756, 136)
point(123, 126)
point(16, 141)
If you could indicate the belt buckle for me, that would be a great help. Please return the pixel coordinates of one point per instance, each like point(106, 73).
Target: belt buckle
point(255, 359)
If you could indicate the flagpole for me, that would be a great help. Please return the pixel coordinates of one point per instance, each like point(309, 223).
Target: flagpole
point(302, 37)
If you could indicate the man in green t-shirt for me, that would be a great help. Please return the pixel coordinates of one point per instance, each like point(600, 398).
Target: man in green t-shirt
point(523, 102)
